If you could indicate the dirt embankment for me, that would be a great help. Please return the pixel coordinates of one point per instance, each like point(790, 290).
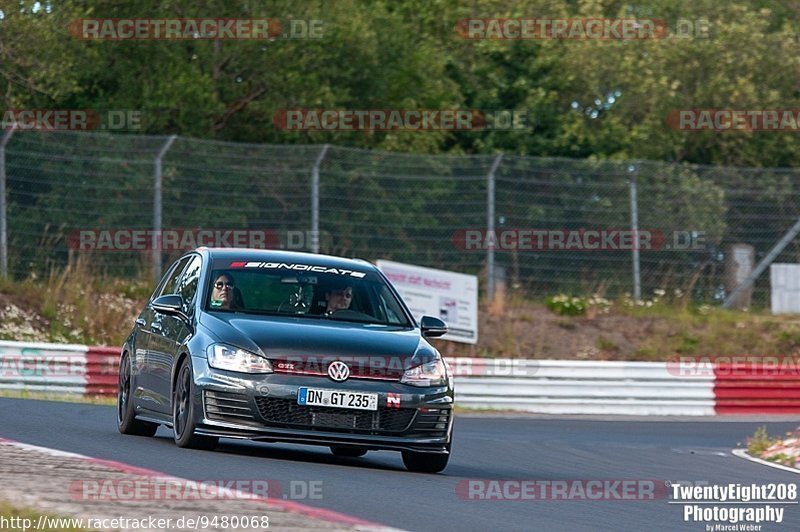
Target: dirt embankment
point(659, 332)
point(618, 330)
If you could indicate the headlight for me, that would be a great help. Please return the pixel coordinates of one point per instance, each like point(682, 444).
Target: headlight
point(221, 356)
point(428, 374)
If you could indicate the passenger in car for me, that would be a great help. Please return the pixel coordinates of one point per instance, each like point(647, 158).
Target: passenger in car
point(338, 297)
point(224, 294)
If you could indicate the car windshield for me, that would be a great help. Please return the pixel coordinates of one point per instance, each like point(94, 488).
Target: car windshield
point(317, 292)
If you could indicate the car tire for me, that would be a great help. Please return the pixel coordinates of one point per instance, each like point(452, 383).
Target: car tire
point(345, 451)
point(425, 462)
point(183, 412)
point(126, 418)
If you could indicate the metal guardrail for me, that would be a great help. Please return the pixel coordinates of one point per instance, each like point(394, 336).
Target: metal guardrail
point(581, 387)
point(541, 386)
point(773, 389)
point(42, 367)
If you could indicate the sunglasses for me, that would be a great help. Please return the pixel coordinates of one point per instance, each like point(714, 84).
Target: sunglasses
point(221, 284)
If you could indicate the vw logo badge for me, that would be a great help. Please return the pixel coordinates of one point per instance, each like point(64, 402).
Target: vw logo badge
point(338, 371)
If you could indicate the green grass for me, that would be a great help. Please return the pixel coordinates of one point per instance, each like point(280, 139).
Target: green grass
point(702, 330)
point(81, 305)
point(782, 459)
point(15, 518)
point(604, 344)
point(760, 441)
point(64, 398)
point(758, 444)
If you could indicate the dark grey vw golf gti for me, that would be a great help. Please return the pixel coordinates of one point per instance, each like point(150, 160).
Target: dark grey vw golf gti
point(291, 347)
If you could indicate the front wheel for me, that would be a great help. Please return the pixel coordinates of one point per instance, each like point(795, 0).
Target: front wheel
point(126, 418)
point(425, 462)
point(183, 412)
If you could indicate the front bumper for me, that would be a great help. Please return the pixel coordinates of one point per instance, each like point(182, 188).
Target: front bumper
point(264, 408)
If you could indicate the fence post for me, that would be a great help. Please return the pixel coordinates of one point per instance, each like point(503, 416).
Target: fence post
point(3, 210)
point(490, 215)
point(157, 186)
point(637, 275)
point(766, 261)
point(315, 199)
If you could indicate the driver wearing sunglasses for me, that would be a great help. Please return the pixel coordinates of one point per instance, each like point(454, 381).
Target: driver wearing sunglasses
point(222, 293)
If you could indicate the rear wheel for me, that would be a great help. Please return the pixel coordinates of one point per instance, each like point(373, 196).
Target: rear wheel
point(425, 462)
point(183, 412)
point(344, 451)
point(126, 418)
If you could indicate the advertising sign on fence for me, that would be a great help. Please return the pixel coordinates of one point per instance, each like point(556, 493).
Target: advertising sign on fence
point(785, 285)
point(450, 296)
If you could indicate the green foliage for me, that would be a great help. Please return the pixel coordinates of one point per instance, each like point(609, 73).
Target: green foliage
point(584, 98)
point(784, 459)
point(789, 340)
point(565, 305)
point(14, 514)
point(687, 343)
point(760, 441)
point(604, 344)
point(605, 102)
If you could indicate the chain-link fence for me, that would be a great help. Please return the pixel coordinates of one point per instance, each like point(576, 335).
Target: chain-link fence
point(538, 225)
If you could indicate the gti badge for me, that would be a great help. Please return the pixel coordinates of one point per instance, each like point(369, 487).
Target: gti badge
point(393, 400)
point(338, 371)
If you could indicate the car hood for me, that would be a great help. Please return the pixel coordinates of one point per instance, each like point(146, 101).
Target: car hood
point(279, 337)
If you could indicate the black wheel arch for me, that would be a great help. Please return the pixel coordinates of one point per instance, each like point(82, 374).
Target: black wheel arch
point(182, 355)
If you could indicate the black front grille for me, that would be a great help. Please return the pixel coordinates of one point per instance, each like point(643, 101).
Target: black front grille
point(432, 422)
point(286, 412)
point(229, 407)
point(395, 419)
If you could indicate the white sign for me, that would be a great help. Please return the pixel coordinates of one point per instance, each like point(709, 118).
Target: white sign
point(451, 296)
point(785, 285)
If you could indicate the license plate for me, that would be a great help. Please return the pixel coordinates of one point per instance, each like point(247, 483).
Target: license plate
point(337, 399)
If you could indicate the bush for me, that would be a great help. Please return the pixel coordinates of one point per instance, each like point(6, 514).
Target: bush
point(760, 441)
point(567, 306)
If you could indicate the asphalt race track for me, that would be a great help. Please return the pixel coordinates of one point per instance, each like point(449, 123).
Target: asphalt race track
point(378, 488)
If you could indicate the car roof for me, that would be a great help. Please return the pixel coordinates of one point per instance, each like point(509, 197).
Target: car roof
point(269, 255)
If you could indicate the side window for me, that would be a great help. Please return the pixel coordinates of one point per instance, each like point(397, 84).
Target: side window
point(390, 307)
point(172, 277)
point(187, 287)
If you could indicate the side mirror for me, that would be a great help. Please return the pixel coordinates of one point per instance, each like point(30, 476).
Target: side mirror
point(171, 305)
point(432, 327)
